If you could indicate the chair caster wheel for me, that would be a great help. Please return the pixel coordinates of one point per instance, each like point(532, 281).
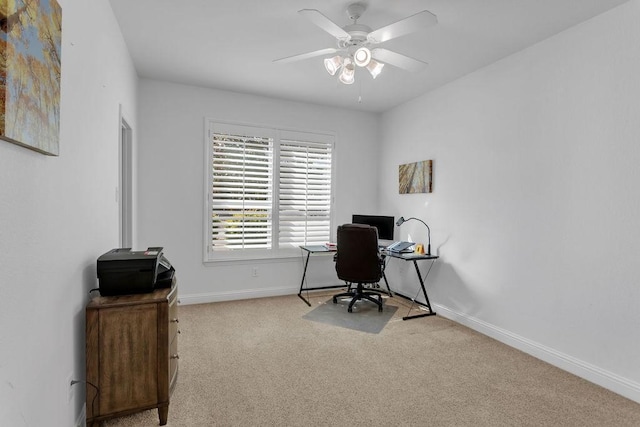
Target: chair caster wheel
point(350, 310)
point(379, 309)
point(335, 301)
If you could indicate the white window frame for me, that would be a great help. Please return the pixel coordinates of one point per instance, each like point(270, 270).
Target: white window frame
point(212, 126)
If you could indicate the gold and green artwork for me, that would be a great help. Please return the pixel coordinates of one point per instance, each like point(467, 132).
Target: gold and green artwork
point(30, 44)
point(415, 177)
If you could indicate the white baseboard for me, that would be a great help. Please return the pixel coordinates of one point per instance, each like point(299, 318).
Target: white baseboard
point(594, 374)
point(204, 298)
point(235, 295)
point(81, 421)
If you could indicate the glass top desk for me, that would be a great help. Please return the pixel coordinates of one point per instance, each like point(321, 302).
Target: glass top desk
point(415, 258)
point(321, 249)
point(313, 249)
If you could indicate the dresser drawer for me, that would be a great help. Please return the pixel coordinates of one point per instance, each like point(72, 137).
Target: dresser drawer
point(174, 328)
point(173, 316)
point(173, 363)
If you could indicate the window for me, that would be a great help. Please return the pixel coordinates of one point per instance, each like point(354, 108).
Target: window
point(268, 190)
point(304, 193)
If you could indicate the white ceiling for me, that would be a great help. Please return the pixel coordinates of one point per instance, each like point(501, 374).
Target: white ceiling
point(231, 44)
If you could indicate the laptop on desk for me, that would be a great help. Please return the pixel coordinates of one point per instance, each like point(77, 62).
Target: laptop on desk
point(400, 247)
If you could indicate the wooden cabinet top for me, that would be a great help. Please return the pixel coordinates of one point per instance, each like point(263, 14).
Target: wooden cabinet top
point(156, 296)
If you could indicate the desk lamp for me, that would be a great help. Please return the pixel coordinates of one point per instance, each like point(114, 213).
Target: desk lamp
point(401, 221)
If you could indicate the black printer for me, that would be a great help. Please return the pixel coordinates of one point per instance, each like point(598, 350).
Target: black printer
point(123, 271)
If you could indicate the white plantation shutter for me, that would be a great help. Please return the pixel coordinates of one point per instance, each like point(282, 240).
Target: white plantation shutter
point(267, 190)
point(241, 190)
point(305, 193)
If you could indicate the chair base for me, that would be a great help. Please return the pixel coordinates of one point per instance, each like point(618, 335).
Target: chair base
point(359, 294)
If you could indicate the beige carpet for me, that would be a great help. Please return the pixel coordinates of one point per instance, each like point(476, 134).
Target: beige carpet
point(259, 363)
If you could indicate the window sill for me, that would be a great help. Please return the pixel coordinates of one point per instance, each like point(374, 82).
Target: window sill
point(253, 257)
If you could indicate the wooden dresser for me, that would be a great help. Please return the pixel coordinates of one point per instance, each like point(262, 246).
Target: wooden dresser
point(132, 354)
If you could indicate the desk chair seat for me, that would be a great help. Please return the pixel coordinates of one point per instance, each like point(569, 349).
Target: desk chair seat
point(358, 262)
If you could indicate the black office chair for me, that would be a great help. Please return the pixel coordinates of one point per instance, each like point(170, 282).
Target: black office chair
point(358, 262)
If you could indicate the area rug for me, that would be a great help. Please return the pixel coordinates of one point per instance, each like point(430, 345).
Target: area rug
point(365, 316)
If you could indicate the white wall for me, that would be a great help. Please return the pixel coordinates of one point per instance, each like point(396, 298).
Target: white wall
point(535, 205)
point(171, 183)
point(57, 215)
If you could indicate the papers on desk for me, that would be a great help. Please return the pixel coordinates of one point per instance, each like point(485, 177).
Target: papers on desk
point(331, 246)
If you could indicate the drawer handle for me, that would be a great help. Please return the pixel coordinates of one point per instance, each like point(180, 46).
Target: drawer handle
point(174, 356)
point(175, 320)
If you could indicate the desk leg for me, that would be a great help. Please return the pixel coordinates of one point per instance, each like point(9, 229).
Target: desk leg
point(304, 273)
point(384, 276)
point(424, 291)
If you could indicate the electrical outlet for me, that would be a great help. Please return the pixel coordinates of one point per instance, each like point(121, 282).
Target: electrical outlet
point(254, 271)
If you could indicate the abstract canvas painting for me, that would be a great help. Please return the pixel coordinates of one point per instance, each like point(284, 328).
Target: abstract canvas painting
point(415, 177)
point(30, 44)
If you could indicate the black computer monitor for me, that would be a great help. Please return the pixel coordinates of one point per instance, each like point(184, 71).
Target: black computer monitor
point(384, 224)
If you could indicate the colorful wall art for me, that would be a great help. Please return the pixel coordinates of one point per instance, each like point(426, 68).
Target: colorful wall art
point(30, 49)
point(415, 177)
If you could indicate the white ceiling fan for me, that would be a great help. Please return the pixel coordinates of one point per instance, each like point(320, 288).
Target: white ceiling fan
point(357, 43)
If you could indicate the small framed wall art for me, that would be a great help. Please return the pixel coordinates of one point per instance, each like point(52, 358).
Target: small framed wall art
point(30, 44)
point(416, 177)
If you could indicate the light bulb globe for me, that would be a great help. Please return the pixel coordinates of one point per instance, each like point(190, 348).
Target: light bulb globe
point(332, 65)
point(362, 57)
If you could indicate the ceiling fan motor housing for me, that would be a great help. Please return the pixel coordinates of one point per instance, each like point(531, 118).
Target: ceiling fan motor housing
point(355, 10)
point(358, 33)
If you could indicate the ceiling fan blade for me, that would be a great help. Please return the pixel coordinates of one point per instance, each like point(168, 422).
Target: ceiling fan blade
point(419, 21)
point(325, 23)
point(397, 60)
point(327, 51)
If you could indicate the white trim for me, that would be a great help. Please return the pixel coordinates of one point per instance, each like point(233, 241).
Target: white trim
point(207, 119)
point(125, 181)
point(209, 297)
point(207, 179)
point(265, 256)
point(285, 255)
point(275, 195)
point(81, 421)
point(582, 369)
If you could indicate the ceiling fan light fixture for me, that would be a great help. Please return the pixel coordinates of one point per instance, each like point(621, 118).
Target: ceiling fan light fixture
point(357, 43)
point(347, 76)
point(375, 68)
point(362, 57)
point(332, 65)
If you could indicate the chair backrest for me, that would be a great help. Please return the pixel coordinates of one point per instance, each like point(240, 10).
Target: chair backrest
point(357, 259)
